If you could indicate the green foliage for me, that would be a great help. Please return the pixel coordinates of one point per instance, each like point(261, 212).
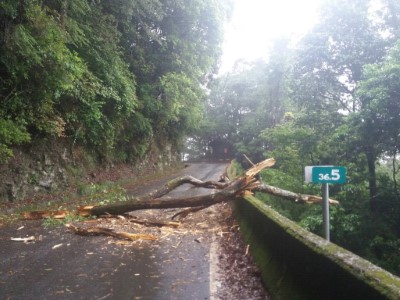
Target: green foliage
point(284, 180)
point(40, 69)
point(105, 74)
point(101, 194)
point(383, 251)
point(182, 104)
point(343, 225)
point(379, 92)
point(244, 102)
point(334, 100)
point(11, 134)
point(50, 222)
point(292, 145)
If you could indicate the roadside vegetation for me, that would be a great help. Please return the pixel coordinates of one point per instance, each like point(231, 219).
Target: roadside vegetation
point(332, 98)
point(81, 194)
point(86, 194)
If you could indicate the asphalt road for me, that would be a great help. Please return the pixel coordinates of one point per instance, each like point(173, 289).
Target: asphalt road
point(61, 265)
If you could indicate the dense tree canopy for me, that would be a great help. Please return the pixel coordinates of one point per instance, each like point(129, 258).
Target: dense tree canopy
point(106, 74)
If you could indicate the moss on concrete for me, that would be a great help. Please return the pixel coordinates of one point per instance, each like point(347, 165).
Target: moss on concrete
point(297, 264)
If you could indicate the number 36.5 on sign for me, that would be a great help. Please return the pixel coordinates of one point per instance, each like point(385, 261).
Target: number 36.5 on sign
point(325, 174)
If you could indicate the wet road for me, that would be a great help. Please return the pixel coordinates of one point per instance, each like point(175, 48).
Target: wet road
point(60, 265)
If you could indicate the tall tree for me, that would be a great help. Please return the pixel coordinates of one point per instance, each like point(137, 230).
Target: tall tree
point(379, 92)
point(174, 44)
point(330, 63)
point(249, 99)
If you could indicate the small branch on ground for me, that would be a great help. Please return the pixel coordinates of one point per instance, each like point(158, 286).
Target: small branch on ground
point(148, 223)
point(110, 232)
point(183, 214)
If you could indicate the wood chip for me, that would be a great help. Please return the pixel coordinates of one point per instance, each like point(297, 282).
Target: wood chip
point(56, 246)
point(25, 239)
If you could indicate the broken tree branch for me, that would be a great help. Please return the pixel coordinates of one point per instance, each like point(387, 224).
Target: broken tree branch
point(291, 195)
point(257, 168)
point(183, 214)
point(174, 183)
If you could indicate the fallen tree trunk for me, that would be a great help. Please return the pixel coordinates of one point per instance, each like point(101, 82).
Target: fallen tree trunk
point(225, 192)
point(158, 203)
point(222, 192)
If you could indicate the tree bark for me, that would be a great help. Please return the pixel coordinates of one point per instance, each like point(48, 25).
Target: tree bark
point(373, 191)
point(264, 188)
point(158, 203)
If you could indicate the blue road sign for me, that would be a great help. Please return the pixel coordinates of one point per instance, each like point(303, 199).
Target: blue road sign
point(328, 174)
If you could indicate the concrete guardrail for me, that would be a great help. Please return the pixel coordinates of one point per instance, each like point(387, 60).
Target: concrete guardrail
point(297, 264)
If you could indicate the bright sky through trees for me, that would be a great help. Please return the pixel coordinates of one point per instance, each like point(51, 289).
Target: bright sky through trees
point(256, 23)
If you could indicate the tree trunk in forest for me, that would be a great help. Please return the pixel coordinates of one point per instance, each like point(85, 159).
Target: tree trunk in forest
point(373, 192)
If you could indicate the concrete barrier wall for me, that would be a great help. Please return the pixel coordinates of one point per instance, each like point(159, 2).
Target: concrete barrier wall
point(297, 264)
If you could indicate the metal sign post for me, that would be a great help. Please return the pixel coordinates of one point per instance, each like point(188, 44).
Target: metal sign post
point(325, 210)
point(325, 175)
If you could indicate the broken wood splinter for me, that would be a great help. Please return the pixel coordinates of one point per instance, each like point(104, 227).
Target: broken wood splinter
point(25, 239)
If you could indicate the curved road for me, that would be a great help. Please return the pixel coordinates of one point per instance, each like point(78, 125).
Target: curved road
point(60, 265)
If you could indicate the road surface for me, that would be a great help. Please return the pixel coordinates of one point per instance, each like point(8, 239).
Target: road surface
point(61, 265)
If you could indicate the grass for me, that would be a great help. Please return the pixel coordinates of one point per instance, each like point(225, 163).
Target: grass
point(50, 222)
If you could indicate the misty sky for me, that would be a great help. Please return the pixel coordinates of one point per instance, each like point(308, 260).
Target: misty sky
point(256, 23)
